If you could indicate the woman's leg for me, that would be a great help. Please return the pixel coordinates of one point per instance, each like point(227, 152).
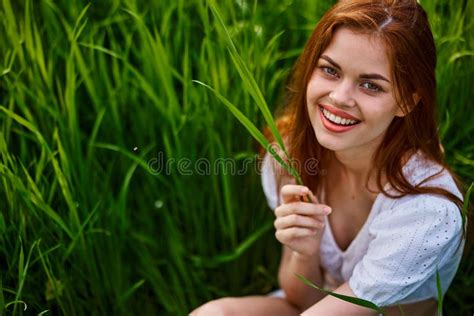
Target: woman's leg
point(247, 305)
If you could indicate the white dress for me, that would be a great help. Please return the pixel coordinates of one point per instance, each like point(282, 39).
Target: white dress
point(394, 257)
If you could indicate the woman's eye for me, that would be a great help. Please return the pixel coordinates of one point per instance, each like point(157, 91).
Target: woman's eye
point(372, 87)
point(328, 70)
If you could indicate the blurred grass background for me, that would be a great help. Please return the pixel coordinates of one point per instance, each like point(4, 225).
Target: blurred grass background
point(92, 94)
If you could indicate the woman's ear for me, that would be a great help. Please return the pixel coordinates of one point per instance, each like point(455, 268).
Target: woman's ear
point(401, 113)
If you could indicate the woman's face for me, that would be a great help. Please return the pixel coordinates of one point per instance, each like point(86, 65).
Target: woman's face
point(350, 97)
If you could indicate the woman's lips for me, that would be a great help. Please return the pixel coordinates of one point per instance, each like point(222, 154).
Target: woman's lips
point(333, 127)
point(339, 112)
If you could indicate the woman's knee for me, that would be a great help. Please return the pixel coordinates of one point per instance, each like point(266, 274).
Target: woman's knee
point(221, 307)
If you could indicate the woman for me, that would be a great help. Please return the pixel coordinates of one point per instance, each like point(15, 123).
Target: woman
point(384, 209)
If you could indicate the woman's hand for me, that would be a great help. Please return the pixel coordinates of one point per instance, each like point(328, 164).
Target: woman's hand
point(299, 224)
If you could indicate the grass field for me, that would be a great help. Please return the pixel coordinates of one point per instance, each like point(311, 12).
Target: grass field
point(117, 190)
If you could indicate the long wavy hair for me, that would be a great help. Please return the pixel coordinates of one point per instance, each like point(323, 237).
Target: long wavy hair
point(403, 27)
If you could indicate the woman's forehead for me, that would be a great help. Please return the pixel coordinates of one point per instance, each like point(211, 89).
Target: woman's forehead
point(357, 51)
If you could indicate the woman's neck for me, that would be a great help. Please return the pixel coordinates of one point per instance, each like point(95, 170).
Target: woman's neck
point(354, 168)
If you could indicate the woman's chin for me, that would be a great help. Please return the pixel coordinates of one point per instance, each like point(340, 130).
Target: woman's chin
point(331, 144)
point(330, 141)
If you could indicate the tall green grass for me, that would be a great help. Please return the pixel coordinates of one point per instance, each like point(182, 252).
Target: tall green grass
point(92, 93)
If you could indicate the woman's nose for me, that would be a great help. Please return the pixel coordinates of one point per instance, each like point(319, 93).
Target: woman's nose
point(342, 94)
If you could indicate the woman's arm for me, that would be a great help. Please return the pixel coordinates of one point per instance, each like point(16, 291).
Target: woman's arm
point(297, 293)
point(331, 305)
point(299, 228)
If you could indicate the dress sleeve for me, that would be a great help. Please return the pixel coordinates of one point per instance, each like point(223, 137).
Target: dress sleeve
point(409, 243)
point(269, 182)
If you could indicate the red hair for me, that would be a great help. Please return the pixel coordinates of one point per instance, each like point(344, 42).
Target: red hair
point(404, 29)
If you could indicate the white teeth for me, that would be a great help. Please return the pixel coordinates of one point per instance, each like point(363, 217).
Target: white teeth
point(337, 119)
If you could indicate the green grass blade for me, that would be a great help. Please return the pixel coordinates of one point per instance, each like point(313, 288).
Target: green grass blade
point(2, 299)
point(21, 262)
point(64, 184)
point(249, 81)
point(79, 234)
point(139, 160)
point(26, 124)
point(460, 54)
point(79, 25)
point(131, 290)
point(22, 271)
point(254, 131)
point(37, 199)
point(350, 299)
point(25, 306)
point(102, 49)
point(93, 136)
point(440, 294)
point(400, 308)
point(236, 253)
point(27, 30)
point(465, 206)
point(40, 57)
point(12, 29)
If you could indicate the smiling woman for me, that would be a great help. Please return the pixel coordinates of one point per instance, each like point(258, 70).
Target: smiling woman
point(344, 95)
point(383, 214)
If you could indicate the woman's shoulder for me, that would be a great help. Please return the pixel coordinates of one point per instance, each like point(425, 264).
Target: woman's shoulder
point(426, 210)
point(412, 209)
point(409, 240)
point(273, 177)
point(422, 171)
point(269, 181)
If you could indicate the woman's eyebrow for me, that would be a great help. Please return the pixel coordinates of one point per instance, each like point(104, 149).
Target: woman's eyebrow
point(363, 76)
point(374, 76)
point(329, 60)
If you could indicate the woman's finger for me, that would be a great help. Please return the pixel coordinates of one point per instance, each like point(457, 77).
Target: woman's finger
point(295, 220)
point(302, 208)
point(286, 235)
point(314, 199)
point(293, 192)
